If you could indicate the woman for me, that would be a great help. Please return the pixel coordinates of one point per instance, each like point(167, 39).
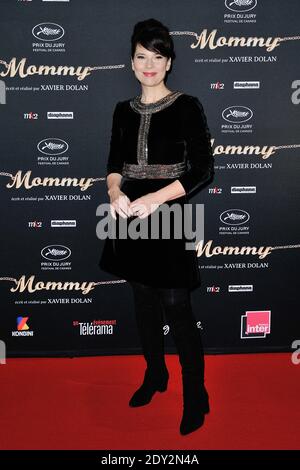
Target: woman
point(160, 145)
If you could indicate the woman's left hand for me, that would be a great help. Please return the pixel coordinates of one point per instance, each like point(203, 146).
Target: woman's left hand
point(145, 205)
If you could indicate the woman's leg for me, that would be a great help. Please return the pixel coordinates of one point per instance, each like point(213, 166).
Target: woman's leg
point(177, 306)
point(149, 319)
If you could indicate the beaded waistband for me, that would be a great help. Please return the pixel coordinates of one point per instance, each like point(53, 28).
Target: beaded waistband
point(153, 171)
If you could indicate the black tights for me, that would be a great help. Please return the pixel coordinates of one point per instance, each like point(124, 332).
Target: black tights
point(175, 303)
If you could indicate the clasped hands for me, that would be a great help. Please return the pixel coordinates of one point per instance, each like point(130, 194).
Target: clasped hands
point(141, 207)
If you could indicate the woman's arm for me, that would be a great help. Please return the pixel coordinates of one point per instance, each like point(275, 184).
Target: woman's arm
point(118, 200)
point(148, 203)
point(199, 154)
point(115, 157)
point(113, 182)
point(169, 192)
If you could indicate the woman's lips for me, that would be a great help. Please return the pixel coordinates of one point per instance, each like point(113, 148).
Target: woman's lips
point(149, 74)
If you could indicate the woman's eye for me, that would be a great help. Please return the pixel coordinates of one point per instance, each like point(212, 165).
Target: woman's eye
point(142, 57)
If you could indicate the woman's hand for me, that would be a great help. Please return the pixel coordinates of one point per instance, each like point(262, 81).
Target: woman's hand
point(145, 205)
point(119, 203)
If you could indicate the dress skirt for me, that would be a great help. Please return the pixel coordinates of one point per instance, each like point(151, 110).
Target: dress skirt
point(161, 262)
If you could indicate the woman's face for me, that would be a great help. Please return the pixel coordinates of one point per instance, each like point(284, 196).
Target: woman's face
point(149, 67)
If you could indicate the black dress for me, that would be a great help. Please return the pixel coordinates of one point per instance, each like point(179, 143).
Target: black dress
point(151, 146)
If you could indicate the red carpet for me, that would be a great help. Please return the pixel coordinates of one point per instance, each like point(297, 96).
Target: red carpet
point(81, 403)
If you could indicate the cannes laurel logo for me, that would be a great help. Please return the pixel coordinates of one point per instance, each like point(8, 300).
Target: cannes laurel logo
point(52, 146)
point(240, 6)
point(48, 31)
point(237, 114)
point(234, 217)
point(56, 252)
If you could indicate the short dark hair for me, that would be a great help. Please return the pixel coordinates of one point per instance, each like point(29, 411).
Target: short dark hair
point(154, 36)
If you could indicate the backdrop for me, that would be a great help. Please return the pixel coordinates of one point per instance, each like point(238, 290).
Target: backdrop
point(63, 66)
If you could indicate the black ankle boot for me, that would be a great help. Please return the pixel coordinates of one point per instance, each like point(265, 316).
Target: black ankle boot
point(191, 420)
point(152, 383)
point(195, 405)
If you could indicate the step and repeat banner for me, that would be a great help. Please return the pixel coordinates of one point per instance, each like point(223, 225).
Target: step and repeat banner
point(64, 64)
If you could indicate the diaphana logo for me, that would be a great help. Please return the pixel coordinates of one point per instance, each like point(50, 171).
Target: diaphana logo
point(164, 222)
point(2, 352)
point(2, 92)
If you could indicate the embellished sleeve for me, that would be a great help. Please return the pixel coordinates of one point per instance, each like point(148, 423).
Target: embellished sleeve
point(115, 157)
point(199, 155)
